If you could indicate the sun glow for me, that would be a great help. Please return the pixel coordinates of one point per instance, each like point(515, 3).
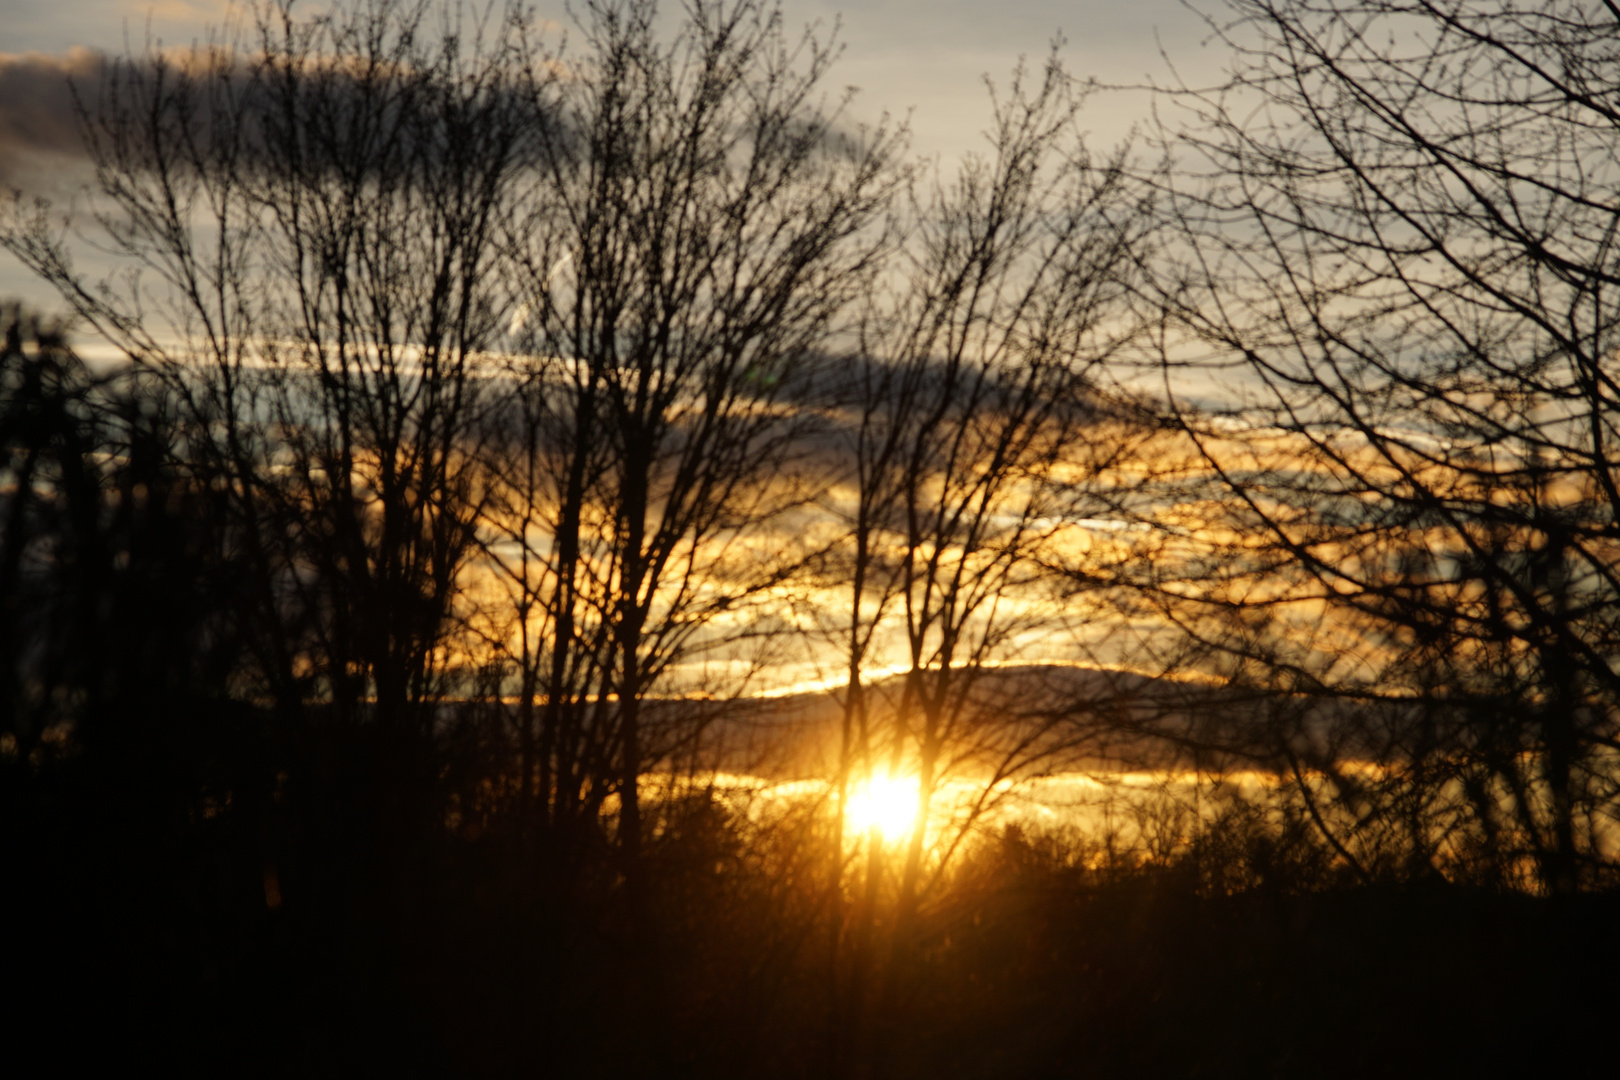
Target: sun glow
point(885, 803)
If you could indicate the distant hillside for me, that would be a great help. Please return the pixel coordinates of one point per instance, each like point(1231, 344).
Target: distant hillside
point(1090, 717)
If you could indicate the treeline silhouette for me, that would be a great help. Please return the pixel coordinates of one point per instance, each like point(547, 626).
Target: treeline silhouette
point(379, 636)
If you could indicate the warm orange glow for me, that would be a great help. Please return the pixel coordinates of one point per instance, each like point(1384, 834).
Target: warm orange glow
point(885, 803)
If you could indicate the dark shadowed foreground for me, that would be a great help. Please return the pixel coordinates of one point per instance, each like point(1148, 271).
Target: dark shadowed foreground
point(144, 930)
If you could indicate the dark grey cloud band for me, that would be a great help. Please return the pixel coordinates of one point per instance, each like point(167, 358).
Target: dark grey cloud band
point(38, 121)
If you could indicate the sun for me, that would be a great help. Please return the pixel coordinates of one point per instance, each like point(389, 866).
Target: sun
point(885, 803)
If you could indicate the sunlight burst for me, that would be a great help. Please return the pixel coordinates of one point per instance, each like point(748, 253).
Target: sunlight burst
point(885, 803)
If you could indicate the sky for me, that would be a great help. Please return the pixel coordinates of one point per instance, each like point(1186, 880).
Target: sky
point(922, 60)
point(924, 54)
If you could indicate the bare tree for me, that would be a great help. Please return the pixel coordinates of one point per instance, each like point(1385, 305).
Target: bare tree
point(304, 235)
point(701, 222)
point(1398, 257)
point(980, 426)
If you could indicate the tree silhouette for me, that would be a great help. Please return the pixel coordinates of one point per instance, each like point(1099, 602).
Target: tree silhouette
point(980, 424)
point(1402, 263)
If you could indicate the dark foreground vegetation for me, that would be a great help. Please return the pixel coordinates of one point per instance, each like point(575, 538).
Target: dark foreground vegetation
point(421, 954)
point(380, 634)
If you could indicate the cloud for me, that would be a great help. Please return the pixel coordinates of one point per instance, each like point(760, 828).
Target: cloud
point(37, 116)
point(41, 95)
